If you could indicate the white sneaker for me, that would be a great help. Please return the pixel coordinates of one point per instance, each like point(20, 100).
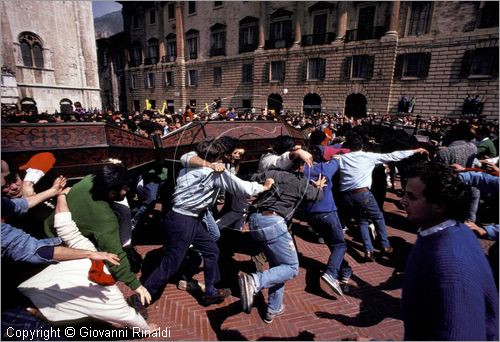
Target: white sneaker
point(332, 283)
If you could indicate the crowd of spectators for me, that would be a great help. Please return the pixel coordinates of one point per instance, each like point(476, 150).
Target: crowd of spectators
point(91, 215)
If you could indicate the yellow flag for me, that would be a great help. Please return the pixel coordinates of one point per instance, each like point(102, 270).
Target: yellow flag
point(164, 107)
point(206, 108)
point(148, 104)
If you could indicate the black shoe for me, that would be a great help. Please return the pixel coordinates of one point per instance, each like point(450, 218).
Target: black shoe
point(369, 256)
point(217, 298)
point(135, 303)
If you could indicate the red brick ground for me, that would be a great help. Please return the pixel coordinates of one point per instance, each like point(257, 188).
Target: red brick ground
point(370, 309)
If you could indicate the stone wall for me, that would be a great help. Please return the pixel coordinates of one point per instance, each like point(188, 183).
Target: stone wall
point(66, 32)
point(451, 31)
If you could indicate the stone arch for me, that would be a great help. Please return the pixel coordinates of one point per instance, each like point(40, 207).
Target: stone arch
point(275, 102)
point(311, 103)
point(28, 104)
point(355, 105)
point(66, 106)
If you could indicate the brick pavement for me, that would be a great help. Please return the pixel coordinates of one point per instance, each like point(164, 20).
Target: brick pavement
point(369, 309)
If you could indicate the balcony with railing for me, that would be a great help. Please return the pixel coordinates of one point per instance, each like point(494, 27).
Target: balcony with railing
point(318, 39)
point(218, 51)
point(151, 60)
point(364, 34)
point(248, 47)
point(168, 59)
point(278, 43)
point(134, 63)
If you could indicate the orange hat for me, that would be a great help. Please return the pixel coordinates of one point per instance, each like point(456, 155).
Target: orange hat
point(43, 161)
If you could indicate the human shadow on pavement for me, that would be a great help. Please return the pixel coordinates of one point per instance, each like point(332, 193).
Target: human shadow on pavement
point(374, 308)
point(219, 315)
point(313, 269)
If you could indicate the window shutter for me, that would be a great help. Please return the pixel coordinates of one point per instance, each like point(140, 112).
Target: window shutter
point(494, 68)
point(172, 78)
point(322, 68)
point(303, 70)
point(283, 71)
point(424, 65)
point(466, 63)
point(265, 75)
point(241, 39)
point(370, 61)
point(223, 38)
point(398, 70)
point(346, 72)
point(287, 30)
point(146, 81)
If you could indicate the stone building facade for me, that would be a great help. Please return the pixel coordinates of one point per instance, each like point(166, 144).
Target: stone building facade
point(49, 58)
point(303, 56)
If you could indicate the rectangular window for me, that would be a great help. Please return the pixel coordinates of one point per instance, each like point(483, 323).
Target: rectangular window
point(192, 104)
point(152, 16)
point(192, 43)
point(135, 21)
point(277, 71)
point(150, 80)
point(171, 50)
point(153, 104)
point(484, 62)
point(413, 65)
point(133, 81)
point(137, 105)
point(218, 44)
point(193, 78)
point(169, 78)
point(171, 11)
point(247, 73)
point(419, 18)
point(316, 69)
point(217, 4)
point(191, 7)
point(280, 34)
point(489, 14)
point(217, 75)
point(359, 67)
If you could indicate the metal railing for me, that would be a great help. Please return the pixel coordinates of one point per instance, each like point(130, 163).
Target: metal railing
point(318, 39)
point(364, 34)
point(151, 60)
point(248, 47)
point(278, 43)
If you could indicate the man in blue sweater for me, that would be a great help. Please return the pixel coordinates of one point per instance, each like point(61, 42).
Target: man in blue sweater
point(448, 291)
point(324, 219)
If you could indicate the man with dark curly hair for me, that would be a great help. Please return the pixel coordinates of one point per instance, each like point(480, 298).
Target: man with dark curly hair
point(448, 291)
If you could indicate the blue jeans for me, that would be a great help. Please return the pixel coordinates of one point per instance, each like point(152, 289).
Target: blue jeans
point(272, 234)
point(364, 208)
point(147, 193)
point(328, 226)
point(182, 231)
point(211, 226)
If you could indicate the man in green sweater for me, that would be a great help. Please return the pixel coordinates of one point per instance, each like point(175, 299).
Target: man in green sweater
point(90, 204)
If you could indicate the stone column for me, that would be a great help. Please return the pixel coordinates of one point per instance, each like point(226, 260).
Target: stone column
point(179, 30)
point(262, 24)
point(394, 18)
point(299, 17)
point(341, 20)
point(180, 61)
